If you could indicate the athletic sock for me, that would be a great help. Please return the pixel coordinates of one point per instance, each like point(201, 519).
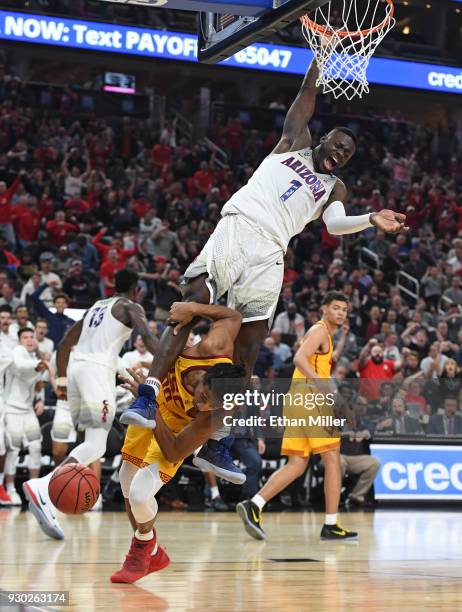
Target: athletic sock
point(144, 537)
point(154, 383)
point(331, 519)
point(214, 492)
point(10, 487)
point(259, 501)
point(2, 478)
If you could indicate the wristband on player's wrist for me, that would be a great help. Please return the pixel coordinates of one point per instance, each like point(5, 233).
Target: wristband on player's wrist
point(61, 381)
point(154, 383)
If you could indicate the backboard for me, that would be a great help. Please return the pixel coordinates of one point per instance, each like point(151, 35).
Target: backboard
point(223, 34)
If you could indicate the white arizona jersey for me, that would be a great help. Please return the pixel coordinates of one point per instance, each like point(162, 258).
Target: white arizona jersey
point(283, 195)
point(102, 336)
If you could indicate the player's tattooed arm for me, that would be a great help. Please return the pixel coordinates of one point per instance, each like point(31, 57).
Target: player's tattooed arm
point(295, 133)
point(138, 321)
point(223, 332)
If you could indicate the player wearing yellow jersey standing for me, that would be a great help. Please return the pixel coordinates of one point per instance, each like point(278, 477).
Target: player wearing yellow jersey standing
point(313, 362)
point(192, 389)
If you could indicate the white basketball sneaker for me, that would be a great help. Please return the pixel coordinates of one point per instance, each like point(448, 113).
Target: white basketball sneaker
point(36, 493)
point(98, 507)
point(15, 497)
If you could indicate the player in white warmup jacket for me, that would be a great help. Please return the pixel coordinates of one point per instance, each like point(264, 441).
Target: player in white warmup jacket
point(90, 385)
point(244, 256)
point(21, 402)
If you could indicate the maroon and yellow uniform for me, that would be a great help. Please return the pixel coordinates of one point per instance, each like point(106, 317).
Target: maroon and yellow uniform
point(175, 403)
point(322, 365)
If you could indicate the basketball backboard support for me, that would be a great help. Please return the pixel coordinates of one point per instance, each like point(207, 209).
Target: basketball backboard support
point(224, 34)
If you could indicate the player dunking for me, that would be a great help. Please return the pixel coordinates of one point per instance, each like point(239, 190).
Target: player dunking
point(313, 363)
point(244, 256)
point(90, 386)
point(192, 388)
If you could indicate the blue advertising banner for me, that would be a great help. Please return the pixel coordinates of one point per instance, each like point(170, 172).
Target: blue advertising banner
point(113, 38)
point(418, 472)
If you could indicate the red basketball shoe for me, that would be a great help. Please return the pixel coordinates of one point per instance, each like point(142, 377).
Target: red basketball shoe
point(159, 561)
point(5, 499)
point(137, 562)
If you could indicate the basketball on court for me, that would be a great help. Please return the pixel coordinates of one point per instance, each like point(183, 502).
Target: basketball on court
point(74, 489)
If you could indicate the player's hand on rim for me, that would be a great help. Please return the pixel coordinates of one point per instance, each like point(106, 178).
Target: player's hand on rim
point(131, 384)
point(389, 221)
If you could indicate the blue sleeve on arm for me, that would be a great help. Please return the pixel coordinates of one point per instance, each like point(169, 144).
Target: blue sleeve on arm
point(39, 306)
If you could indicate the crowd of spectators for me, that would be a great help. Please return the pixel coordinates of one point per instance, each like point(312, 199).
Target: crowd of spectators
point(81, 198)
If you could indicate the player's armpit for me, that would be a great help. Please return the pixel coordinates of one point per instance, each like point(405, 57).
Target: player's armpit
point(177, 447)
point(65, 346)
point(311, 344)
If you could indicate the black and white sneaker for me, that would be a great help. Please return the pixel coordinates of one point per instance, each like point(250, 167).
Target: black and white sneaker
point(251, 517)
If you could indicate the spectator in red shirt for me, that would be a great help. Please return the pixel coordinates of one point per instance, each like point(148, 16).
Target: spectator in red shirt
point(28, 222)
point(59, 229)
point(103, 249)
point(6, 209)
point(140, 205)
point(7, 258)
point(374, 369)
point(161, 155)
point(108, 270)
point(233, 136)
point(203, 178)
point(77, 204)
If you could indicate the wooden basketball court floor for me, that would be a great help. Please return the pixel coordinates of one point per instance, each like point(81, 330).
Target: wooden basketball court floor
point(404, 560)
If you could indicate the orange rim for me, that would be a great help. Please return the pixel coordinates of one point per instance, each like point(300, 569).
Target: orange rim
point(323, 30)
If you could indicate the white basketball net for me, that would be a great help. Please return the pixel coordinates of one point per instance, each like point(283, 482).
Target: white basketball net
point(343, 35)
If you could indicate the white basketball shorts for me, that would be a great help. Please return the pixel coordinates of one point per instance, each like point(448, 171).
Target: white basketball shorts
point(242, 261)
point(63, 429)
point(2, 429)
point(91, 393)
point(21, 428)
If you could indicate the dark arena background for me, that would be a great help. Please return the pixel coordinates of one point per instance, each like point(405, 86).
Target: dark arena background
point(118, 150)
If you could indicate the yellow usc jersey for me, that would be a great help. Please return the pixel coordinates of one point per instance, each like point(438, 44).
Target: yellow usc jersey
point(174, 400)
point(320, 362)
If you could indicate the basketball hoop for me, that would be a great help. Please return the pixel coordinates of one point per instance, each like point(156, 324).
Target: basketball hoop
point(343, 36)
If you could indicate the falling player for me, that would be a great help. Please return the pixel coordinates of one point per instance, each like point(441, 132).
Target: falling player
point(312, 363)
point(90, 386)
point(192, 388)
point(244, 256)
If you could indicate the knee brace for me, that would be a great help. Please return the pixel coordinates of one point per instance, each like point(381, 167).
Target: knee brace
point(35, 454)
point(11, 461)
point(145, 485)
point(126, 474)
point(93, 448)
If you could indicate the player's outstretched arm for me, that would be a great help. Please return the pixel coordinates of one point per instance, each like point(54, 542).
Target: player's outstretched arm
point(339, 223)
point(226, 325)
point(295, 133)
point(139, 323)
